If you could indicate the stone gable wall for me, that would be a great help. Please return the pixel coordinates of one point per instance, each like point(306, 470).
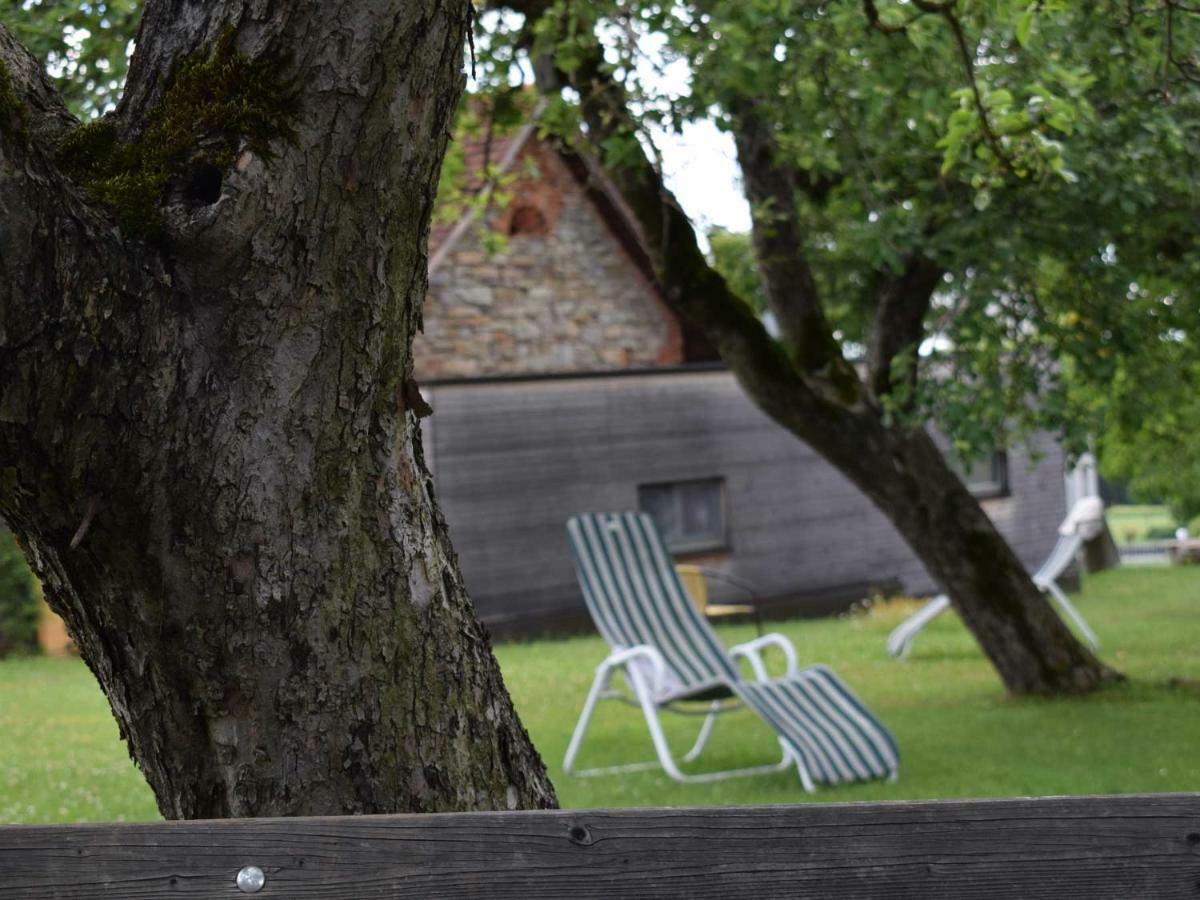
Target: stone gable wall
point(562, 297)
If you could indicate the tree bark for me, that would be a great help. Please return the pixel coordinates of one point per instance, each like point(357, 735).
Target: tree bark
point(795, 301)
point(899, 468)
point(208, 446)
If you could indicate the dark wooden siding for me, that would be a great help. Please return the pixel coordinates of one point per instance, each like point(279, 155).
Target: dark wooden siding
point(514, 459)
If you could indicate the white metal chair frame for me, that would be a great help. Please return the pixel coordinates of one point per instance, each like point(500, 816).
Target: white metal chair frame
point(659, 695)
point(900, 641)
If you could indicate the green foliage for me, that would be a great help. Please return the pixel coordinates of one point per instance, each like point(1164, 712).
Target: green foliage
point(1149, 420)
point(732, 254)
point(18, 599)
point(476, 187)
point(1160, 533)
point(83, 45)
point(1042, 154)
point(1130, 524)
point(216, 102)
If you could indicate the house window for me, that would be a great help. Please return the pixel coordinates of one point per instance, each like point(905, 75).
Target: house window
point(690, 515)
point(987, 477)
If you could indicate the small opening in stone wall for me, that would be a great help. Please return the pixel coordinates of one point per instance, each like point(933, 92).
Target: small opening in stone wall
point(527, 220)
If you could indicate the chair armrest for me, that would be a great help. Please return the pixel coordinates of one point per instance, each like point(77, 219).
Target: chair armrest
point(752, 651)
point(658, 665)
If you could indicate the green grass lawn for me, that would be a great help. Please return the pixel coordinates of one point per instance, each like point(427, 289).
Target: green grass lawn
point(1130, 523)
point(959, 736)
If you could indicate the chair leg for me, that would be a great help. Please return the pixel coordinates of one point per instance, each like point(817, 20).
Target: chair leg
point(599, 685)
point(1069, 608)
point(900, 641)
point(705, 731)
point(595, 695)
point(650, 711)
point(663, 751)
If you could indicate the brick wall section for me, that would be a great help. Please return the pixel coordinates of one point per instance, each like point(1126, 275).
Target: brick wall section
point(564, 298)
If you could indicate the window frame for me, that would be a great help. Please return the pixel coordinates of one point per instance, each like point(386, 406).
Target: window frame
point(692, 546)
point(999, 485)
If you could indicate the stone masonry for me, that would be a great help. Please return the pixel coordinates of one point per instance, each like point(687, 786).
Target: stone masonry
point(563, 295)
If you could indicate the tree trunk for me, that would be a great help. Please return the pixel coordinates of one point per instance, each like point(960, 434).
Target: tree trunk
point(909, 480)
point(899, 468)
point(208, 440)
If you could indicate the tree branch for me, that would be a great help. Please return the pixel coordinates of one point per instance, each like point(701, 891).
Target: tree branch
point(946, 10)
point(1186, 68)
point(899, 323)
point(38, 111)
point(816, 187)
point(43, 216)
point(968, 60)
point(874, 21)
point(78, 291)
point(693, 287)
point(779, 249)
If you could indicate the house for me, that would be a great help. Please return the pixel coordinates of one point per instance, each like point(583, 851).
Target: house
point(572, 291)
point(561, 382)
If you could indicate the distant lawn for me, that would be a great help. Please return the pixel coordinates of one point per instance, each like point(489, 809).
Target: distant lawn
point(61, 759)
point(1130, 523)
point(959, 736)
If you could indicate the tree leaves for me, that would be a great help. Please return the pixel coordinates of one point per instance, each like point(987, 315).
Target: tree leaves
point(84, 46)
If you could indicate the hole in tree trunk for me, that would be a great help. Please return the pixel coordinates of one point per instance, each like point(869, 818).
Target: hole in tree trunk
point(204, 184)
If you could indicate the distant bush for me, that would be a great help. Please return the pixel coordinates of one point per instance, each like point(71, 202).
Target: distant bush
point(1160, 532)
point(18, 599)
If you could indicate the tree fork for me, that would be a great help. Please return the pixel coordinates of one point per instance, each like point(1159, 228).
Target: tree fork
point(261, 579)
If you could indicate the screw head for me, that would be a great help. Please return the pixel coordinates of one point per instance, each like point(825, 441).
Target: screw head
point(250, 880)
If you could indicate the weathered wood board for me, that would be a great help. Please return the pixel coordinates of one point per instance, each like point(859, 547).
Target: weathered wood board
point(1137, 847)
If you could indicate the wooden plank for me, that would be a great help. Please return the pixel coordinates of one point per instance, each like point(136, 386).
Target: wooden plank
point(1059, 848)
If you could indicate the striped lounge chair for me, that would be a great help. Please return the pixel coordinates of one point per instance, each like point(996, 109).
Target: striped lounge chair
point(1073, 532)
point(671, 658)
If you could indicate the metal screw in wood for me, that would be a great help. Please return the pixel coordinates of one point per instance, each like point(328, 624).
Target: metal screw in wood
point(250, 880)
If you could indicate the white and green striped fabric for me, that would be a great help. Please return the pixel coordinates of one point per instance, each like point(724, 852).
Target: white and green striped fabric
point(635, 598)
